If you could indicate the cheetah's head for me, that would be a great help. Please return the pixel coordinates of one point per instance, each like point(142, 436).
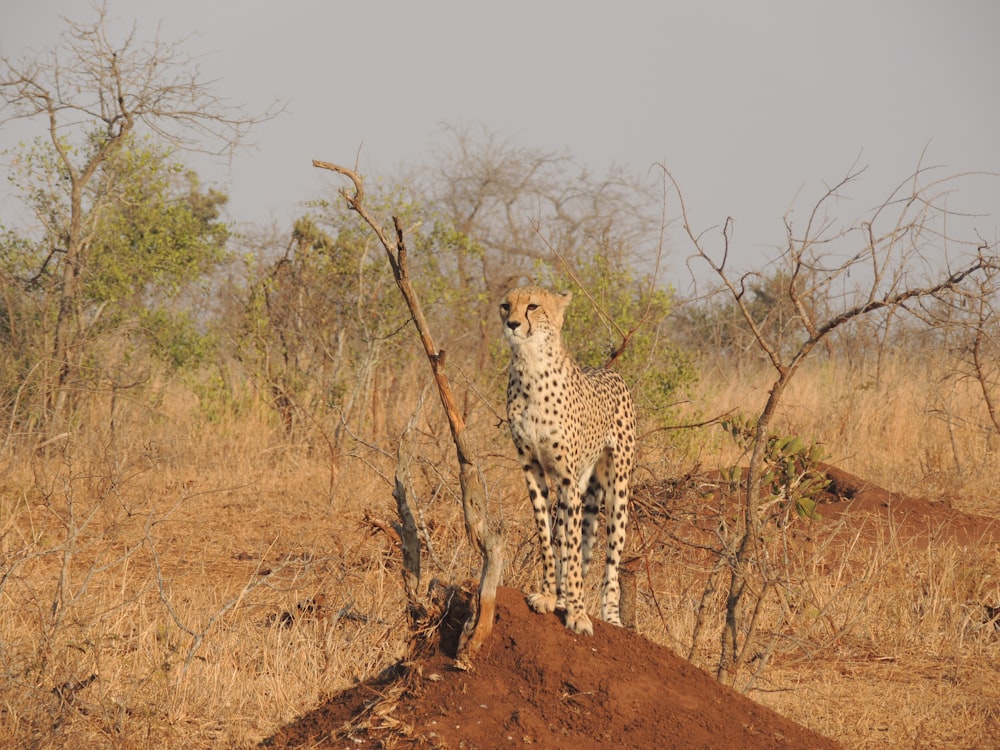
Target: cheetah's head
point(530, 312)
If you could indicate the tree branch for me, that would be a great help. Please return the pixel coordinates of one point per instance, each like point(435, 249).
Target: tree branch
point(477, 527)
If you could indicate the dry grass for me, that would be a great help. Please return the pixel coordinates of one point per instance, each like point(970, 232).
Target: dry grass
point(914, 428)
point(885, 642)
point(189, 583)
point(917, 666)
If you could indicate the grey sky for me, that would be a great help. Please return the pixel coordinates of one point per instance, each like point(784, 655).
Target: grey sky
point(747, 103)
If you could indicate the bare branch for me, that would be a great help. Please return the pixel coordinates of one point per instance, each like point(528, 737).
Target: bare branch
point(891, 256)
point(478, 529)
point(95, 81)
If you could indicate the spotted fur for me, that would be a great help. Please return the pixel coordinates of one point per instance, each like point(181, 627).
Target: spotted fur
point(574, 430)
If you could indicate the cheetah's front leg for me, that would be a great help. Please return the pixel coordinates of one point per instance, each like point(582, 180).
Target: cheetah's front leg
point(570, 519)
point(538, 492)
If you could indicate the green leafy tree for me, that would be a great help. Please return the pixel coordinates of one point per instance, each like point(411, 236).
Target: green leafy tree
point(92, 95)
point(153, 232)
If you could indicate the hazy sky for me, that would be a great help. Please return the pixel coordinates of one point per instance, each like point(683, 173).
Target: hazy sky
point(747, 103)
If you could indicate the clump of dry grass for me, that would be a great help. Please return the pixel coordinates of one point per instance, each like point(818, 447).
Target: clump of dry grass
point(915, 661)
point(169, 580)
point(188, 591)
point(873, 634)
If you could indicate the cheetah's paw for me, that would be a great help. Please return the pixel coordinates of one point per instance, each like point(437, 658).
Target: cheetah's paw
point(542, 603)
point(612, 618)
point(579, 623)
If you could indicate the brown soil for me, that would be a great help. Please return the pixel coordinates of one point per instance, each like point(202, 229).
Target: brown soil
point(536, 683)
point(916, 519)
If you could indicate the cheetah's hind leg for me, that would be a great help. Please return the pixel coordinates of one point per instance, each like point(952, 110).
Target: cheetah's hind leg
point(617, 523)
point(592, 499)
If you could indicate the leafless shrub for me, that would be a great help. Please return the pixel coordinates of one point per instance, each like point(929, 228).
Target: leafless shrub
point(831, 276)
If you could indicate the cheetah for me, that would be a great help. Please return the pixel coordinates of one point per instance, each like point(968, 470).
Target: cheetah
point(574, 430)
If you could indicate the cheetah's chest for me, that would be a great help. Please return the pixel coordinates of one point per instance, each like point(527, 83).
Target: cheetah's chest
point(533, 421)
point(543, 410)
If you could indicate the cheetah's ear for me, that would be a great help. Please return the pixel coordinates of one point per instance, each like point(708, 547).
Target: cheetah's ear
point(561, 302)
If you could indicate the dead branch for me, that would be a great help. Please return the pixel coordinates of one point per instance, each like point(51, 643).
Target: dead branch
point(386, 527)
point(889, 256)
point(477, 527)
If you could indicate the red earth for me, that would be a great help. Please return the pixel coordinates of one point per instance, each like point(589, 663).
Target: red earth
point(536, 683)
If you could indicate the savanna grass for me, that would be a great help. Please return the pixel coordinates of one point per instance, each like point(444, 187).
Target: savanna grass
point(171, 579)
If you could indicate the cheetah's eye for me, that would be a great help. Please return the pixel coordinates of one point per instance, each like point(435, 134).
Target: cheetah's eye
point(505, 307)
point(532, 306)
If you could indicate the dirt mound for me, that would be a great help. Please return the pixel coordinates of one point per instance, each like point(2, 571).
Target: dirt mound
point(916, 519)
point(537, 683)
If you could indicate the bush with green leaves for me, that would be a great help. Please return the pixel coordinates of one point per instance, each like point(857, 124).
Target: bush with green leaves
point(152, 235)
point(616, 310)
point(792, 477)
